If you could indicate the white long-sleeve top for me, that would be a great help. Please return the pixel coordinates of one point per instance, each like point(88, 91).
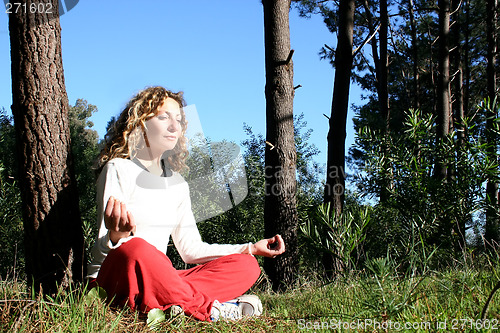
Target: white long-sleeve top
point(161, 208)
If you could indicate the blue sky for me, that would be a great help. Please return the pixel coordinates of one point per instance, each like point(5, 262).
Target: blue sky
point(211, 50)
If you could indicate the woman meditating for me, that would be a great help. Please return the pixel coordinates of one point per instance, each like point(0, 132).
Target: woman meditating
point(143, 201)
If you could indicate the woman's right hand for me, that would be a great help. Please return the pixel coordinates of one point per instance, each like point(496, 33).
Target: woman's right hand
point(118, 220)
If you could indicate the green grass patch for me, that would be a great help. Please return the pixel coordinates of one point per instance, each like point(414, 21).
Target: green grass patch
point(368, 301)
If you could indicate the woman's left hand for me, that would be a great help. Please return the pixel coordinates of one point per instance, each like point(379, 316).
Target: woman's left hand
point(270, 247)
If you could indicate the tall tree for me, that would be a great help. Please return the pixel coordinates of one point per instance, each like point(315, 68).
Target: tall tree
point(52, 224)
point(335, 177)
point(280, 211)
point(334, 191)
point(384, 63)
point(414, 56)
point(492, 233)
point(380, 58)
point(467, 74)
point(457, 96)
point(443, 86)
point(458, 113)
point(381, 63)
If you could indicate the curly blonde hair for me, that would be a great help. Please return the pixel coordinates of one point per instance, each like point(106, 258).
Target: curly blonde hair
point(127, 130)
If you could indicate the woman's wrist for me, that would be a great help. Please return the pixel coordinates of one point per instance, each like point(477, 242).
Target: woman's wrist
point(251, 248)
point(115, 236)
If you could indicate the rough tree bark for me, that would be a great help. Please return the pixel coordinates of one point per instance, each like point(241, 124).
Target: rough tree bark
point(280, 211)
point(53, 233)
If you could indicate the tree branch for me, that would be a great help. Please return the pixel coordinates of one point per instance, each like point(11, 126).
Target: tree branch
point(369, 38)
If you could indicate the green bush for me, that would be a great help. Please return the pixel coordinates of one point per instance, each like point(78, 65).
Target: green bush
point(341, 237)
point(11, 228)
point(415, 208)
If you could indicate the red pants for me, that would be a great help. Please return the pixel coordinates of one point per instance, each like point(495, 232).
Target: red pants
point(140, 276)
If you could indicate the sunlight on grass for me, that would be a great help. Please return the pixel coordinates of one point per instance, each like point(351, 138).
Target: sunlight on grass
point(454, 297)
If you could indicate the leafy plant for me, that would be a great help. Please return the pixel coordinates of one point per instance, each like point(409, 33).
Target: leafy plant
point(341, 236)
point(387, 292)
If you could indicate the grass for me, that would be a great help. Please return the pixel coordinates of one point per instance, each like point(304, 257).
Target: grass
point(378, 300)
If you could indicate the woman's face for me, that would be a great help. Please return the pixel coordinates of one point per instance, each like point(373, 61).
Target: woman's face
point(164, 129)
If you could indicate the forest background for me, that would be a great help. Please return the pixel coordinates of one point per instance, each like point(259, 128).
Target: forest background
point(423, 169)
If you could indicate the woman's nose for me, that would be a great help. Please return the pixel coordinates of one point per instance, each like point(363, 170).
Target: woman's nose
point(174, 125)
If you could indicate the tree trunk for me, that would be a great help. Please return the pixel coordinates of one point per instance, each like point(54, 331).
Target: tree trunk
point(384, 64)
point(415, 58)
point(374, 45)
point(280, 211)
point(384, 96)
point(456, 170)
point(335, 177)
point(381, 63)
point(443, 84)
point(467, 75)
point(491, 233)
point(381, 73)
point(53, 233)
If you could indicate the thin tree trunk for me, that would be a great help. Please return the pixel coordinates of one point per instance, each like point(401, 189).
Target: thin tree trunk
point(381, 64)
point(280, 211)
point(374, 44)
point(384, 96)
point(335, 179)
point(443, 93)
point(491, 233)
point(456, 172)
point(466, 58)
point(384, 64)
point(432, 70)
point(414, 52)
point(53, 233)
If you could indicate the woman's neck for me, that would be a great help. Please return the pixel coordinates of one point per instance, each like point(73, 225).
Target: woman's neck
point(152, 167)
point(150, 162)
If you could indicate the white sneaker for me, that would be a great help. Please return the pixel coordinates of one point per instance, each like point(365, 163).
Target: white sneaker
point(174, 311)
point(235, 309)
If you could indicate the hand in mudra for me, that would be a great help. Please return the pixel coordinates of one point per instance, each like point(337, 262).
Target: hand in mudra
point(269, 247)
point(118, 220)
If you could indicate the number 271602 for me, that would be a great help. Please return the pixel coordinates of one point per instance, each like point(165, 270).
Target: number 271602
point(32, 8)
